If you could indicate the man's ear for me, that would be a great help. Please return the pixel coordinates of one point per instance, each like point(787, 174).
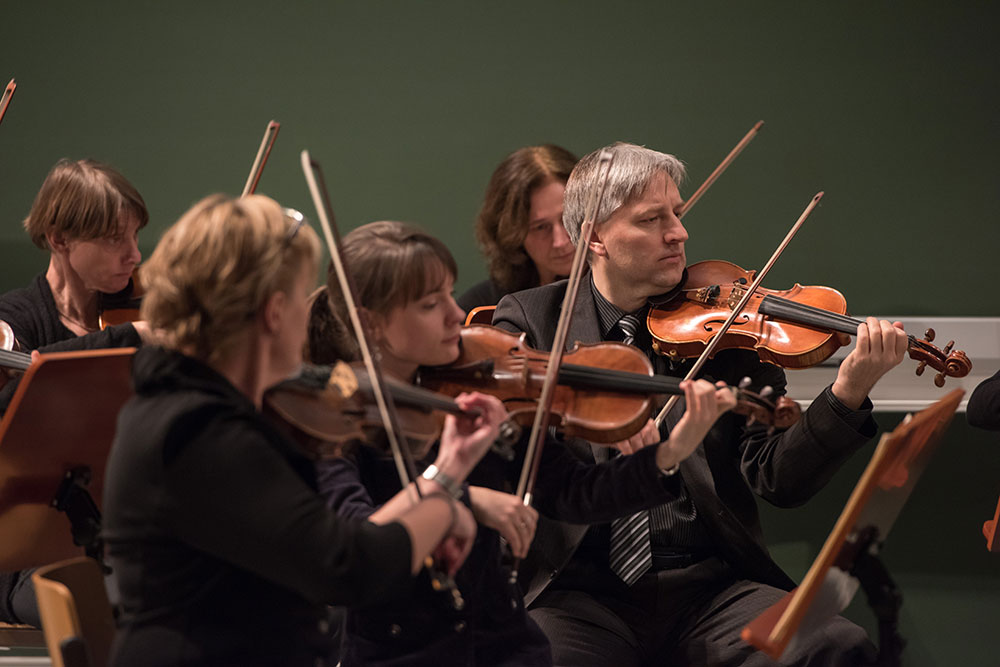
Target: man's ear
point(274, 311)
point(596, 245)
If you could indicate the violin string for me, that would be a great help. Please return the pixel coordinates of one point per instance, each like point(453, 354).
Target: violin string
point(849, 322)
point(12, 359)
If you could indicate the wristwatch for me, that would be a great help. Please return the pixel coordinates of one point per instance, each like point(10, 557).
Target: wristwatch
point(671, 471)
point(434, 474)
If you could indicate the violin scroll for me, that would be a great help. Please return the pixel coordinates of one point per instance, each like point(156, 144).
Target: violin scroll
point(946, 362)
point(758, 408)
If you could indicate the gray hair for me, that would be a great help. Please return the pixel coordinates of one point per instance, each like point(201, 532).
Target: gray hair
point(631, 171)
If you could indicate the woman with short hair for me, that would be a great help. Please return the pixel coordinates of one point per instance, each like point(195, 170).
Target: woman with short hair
point(223, 551)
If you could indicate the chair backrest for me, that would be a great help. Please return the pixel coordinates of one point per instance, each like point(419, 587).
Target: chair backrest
point(76, 616)
point(480, 315)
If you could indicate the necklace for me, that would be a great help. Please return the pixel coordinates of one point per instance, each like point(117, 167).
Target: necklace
point(76, 322)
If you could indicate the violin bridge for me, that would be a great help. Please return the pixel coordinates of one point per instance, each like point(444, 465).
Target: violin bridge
point(735, 296)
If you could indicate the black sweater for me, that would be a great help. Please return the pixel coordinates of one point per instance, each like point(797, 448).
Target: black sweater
point(32, 314)
point(983, 410)
point(223, 551)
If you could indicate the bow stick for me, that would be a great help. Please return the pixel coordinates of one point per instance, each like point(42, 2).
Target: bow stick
point(5, 100)
point(532, 457)
point(402, 456)
point(386, 407)
point(266, 144)
point(712, 344)
point(728, 160)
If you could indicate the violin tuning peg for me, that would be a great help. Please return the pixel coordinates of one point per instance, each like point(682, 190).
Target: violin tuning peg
point(745, 382)
point(929, 335)
point(920, 367)
point(766, 391)
point(751, 420)
point(947, 348)
point(939, 380)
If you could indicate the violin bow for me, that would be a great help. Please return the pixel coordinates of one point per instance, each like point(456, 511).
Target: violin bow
point(402, 456)
point(533, 453)
point(266, 144)
point(728, 160)
point(5, 100)
point(717, 338)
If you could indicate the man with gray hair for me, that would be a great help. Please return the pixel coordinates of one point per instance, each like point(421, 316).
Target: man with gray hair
point(676, 584)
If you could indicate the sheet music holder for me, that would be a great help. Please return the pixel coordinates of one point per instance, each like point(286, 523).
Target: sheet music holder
point(54, 442)
point(990, 531)
point(850, 552)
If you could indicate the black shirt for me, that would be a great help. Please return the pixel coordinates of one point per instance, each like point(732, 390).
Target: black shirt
point(223, 551)
point(32, 314)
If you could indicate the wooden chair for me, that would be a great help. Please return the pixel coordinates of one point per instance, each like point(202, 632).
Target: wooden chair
point(76, 615)
point(480, 315)
point(21, 636)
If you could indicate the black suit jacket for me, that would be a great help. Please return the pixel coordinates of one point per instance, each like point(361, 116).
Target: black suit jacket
point(734, 463)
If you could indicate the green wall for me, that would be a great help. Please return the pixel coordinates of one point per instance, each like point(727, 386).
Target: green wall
point(890, 108)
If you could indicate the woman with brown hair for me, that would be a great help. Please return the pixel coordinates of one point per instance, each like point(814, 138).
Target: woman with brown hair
point(404, 280)
point(88, 216)
point(519, 227)
point(223, 551)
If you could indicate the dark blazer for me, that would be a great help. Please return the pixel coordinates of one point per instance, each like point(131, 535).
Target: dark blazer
point(484, 293)
point(984, 404)
point(734, 463)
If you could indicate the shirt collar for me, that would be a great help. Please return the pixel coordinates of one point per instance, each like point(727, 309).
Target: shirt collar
point(608, 313)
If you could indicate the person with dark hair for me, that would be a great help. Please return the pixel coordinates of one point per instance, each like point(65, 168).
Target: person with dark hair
point(222, 549)
point(88, 216)
point(404, 278)
point(702, 570)
point(519, 227)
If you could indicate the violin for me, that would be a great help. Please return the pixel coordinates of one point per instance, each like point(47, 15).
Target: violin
point(330, 406)
point(605, 391)
point(794, 328)
point(12, 360)
point(124, 306)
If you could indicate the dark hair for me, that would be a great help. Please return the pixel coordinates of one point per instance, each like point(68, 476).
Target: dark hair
point(502, 224)
point(391, 264)
point(83, 199)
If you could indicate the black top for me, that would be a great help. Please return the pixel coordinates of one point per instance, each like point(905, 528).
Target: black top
point(223, 551)
point(424, 628)
point(32, 314)
point(983, 410)
point(485, 293)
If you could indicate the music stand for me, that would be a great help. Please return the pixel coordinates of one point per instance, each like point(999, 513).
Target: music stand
point(54, 442)
point(849, 556)
point(990, 531)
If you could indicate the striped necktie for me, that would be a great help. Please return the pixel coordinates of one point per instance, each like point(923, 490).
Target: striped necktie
point(631, 555)
point(629, 324)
